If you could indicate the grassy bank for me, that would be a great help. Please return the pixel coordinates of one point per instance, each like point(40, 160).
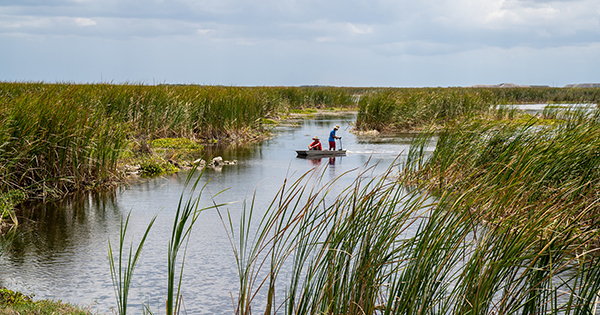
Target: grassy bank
point(12, 303)
point(417, 108)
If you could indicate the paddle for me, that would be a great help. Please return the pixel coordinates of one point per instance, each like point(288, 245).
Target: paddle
point(340, 138)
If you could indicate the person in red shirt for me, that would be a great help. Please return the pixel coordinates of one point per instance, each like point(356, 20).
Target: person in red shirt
point(316, 144)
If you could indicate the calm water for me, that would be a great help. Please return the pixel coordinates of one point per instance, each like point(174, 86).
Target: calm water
point(64, 253)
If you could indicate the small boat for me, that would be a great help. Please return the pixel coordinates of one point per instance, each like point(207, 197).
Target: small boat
point(319, 153)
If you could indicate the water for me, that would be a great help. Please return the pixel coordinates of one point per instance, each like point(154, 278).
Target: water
point(540, 107)
point(63, 255)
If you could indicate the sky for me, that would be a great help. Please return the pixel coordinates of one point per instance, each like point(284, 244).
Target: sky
point(386, 43)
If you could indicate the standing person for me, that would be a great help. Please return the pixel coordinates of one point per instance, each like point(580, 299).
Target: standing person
point(316, 144)
point(332, 137)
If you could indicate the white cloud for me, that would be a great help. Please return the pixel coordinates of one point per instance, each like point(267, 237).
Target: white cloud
point(359, 29)
point(85, 22)
point(516, 14)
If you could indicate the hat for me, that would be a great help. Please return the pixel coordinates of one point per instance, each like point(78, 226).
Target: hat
point(315, 138)
point(337, 127)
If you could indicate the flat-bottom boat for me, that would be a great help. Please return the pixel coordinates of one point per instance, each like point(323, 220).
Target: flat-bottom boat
point(319, 153)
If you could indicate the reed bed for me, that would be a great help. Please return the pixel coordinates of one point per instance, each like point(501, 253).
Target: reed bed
point(516, 172)
point(56, 138)
point(410, 109)
point(379, 247)
point(53, 142)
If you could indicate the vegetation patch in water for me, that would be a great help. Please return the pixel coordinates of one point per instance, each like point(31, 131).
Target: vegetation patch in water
point(267, 121)
point(153, 166)
point(528, 119)
point(176, 143)
point(307, 111)
point(518, 118)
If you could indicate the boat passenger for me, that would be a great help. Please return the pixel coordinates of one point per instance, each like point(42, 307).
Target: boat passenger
point(316, 144)
point(332, 137)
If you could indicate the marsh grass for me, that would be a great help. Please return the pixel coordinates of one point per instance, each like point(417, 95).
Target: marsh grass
point(379, 247)
point(50, 145)
point(517, 170)
point(57, 138)
point(418, 108)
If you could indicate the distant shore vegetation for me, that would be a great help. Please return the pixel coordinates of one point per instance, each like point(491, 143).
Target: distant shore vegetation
point(410, 109)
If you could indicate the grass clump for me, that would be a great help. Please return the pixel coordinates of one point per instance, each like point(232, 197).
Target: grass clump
point(12, 302)
point(153, 166)
point(8, 218)
point(10, 297)
point(267, 121)
point(182, 150)
point(307, 111)
point(176, 143)
point(528, 119)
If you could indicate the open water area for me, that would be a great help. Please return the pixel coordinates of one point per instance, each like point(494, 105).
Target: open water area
point(63, 254)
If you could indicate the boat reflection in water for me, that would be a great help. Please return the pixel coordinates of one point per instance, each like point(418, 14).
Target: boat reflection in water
point(316, 161)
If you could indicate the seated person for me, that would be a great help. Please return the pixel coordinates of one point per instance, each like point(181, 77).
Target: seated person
point(316, 144)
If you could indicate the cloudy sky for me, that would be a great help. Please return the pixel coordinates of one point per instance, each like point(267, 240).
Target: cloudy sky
point(301, 42)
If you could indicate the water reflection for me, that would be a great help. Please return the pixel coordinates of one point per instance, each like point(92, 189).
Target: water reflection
point(63, 254)
point(331, 161)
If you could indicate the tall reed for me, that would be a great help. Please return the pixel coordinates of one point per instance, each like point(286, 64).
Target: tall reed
point(379, 247)
point(122, 272)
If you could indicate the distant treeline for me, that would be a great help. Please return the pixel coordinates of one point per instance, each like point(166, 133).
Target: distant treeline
point(410, 108)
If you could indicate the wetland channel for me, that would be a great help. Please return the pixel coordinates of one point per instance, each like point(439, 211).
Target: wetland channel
point(63, 253)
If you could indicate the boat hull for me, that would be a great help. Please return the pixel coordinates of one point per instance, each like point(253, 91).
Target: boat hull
point(319, 153)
